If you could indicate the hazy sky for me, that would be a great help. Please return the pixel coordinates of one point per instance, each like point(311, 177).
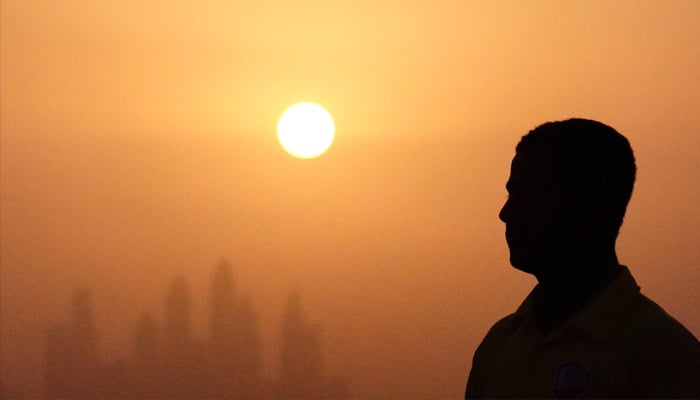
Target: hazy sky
point(138, 144)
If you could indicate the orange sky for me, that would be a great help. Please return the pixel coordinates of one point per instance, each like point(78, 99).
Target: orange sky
point(138, 143)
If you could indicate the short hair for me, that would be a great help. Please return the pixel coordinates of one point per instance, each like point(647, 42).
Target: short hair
point(590, 157)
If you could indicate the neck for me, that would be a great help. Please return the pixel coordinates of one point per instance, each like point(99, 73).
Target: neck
point(564, 290)
point(578, 279)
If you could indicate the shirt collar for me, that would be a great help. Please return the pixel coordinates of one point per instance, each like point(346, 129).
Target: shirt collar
point(597, 318)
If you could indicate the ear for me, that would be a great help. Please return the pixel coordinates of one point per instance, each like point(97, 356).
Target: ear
point(588, 212)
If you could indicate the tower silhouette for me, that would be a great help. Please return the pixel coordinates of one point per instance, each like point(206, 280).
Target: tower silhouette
point(178, 369)
point(178, 319)
point(72, 367)
point(223, 338)
point(222, 312)
point(250, 351)
point(300, 354)
point(84, 328)
point(57, 378)
point(234, 343)
point(146, 363)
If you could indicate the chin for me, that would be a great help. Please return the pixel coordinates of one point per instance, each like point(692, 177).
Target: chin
point(522, 265)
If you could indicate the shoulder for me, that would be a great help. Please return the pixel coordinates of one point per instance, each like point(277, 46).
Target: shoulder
point(665, 359)
point(654, 326)
point(499, 332)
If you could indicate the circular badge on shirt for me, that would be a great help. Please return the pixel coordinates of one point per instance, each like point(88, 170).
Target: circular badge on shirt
point(572, 381)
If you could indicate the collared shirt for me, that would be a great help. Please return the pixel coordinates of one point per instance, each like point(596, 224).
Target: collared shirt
point(620, 345)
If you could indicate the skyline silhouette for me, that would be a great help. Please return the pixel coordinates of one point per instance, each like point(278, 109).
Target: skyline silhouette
point(168, 360)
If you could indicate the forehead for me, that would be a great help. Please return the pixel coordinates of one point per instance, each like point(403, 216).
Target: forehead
point(528, 169)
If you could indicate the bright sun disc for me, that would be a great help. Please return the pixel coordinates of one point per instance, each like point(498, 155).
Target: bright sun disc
point(306, 130)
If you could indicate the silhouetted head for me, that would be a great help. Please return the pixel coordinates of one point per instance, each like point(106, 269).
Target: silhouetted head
point(568, 190)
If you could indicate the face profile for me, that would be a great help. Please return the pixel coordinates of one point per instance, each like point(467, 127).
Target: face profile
point(533, 214)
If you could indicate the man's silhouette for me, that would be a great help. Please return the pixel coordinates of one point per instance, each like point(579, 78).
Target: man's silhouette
point(585, 330)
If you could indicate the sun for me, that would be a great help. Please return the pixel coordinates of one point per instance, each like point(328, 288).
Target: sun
point(306, 130)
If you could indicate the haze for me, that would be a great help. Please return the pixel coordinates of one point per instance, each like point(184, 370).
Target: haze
point(138, 145)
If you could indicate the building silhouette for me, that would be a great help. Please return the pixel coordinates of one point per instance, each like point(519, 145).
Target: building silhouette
point(178, 321)
point(168, 361)
point(146, 374)
point(72, 360)
point(183, 358)
point(234, 344)
point(300, 353)
point(58, 381)
point(249, 365)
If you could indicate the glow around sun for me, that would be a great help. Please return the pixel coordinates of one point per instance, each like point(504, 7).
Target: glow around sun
point(306, 130)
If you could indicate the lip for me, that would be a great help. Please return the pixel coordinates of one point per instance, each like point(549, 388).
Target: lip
point(509, 236)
